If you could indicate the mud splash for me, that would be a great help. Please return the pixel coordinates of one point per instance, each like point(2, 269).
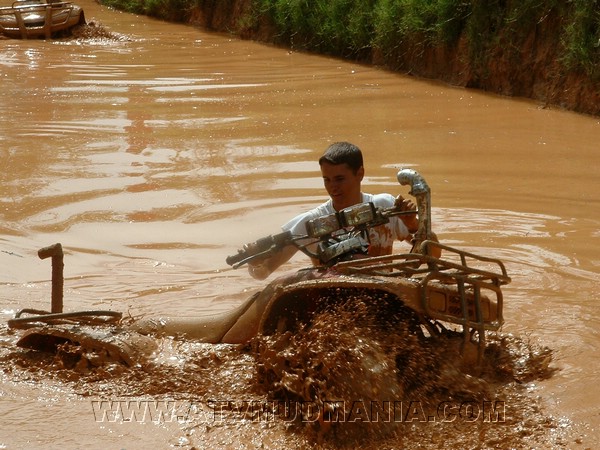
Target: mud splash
point(94, 30)
point(373, 380)
point(354, 376)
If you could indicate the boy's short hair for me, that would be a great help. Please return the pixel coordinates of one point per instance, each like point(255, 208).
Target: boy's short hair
point(343, 153)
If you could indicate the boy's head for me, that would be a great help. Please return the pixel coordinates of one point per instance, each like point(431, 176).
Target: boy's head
point(342, 170)
point(343, 153)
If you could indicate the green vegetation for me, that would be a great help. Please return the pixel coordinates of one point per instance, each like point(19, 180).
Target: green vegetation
point(582, 37)
point(357, 28)
point(340, 27)
point(351, 27)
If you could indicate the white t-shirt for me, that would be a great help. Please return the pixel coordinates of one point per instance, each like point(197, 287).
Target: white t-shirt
point(381, 238)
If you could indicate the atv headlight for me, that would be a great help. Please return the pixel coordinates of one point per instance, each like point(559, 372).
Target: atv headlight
point(322, 226)
point(357, 214)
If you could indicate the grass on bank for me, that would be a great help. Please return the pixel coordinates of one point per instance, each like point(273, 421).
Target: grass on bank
point(356, 28)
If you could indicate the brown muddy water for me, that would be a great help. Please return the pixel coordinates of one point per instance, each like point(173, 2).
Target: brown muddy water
point(152, 151)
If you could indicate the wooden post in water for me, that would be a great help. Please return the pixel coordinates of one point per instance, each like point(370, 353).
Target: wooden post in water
point(56, 252)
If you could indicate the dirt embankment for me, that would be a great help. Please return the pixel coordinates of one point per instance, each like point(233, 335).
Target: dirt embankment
point(531, 69)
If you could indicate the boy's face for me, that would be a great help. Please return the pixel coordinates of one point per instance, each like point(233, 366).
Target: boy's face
point(342, 184)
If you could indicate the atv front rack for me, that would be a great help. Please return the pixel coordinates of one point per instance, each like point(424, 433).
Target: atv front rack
point(461, 288)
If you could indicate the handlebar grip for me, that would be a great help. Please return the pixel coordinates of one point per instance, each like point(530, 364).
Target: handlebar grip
point(250, 250)
point(262, 245)
point(234, 259)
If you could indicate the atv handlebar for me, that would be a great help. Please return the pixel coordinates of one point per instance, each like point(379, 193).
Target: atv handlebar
point(357, 217)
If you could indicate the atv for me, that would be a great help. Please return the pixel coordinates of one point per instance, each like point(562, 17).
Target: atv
point(458, 293)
